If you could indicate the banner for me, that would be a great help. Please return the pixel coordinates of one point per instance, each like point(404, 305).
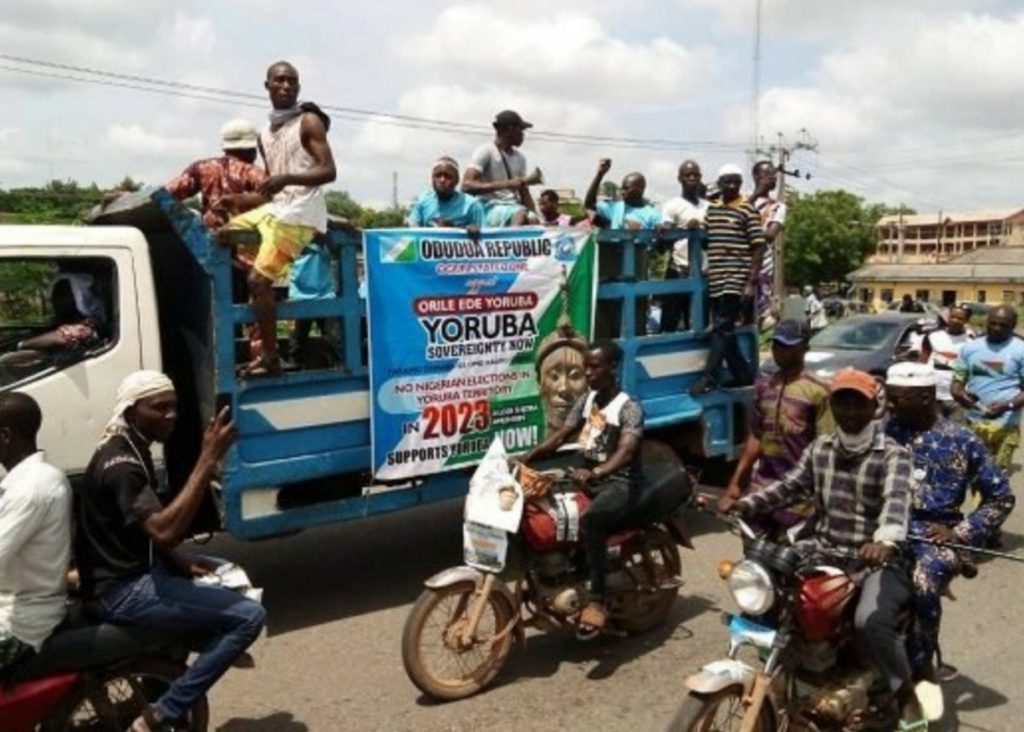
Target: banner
point(472, 339)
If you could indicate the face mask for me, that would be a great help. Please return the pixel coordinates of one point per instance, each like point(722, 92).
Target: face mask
point(856, 442)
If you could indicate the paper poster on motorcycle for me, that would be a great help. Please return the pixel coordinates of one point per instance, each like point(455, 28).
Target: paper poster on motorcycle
point(495, 499)
point(472, 339)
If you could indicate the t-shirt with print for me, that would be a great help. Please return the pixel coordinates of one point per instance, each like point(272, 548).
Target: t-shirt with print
point(116, 497)
point(619, 213)
point(492, 162)
point(945, 350)
point(679, 212)
point(602, 428)
point(994, 372)
point(460, 209)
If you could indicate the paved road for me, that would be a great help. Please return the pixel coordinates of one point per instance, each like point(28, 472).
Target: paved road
point(338, 598)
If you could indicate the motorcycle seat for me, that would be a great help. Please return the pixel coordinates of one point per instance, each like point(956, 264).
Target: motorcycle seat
point(620, 538)
point(81, 643)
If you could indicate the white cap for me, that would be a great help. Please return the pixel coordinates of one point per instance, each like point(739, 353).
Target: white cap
point(910, 373)
point(729, 169)
point(238, 134)
point(808, 289)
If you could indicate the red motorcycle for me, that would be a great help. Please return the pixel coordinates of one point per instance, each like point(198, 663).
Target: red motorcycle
point(459, 633)
point(797, 616)
point(97, 678)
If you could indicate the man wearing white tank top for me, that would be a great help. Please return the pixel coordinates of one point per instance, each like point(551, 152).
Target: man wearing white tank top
point(299, 161)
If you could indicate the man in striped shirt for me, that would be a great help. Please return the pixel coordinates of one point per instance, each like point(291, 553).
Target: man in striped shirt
point(773, 219)
point(860, 482)
point(735, 242)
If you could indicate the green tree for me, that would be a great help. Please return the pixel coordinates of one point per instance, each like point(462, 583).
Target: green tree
point(340, 203)
point(828, 235)
point(610, 189)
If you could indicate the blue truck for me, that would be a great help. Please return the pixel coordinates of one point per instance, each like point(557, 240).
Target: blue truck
point(303, 458)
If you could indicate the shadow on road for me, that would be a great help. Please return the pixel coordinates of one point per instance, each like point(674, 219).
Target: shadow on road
point(964, 694)
point(544, 654)
point(348, 569)
point(277, 722)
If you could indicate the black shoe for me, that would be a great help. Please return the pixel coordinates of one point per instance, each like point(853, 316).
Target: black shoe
point(702, 387)
point(737, 384)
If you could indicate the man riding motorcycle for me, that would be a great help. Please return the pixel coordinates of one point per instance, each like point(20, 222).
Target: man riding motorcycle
point(612, 425)
point(948, 461)
point(859, 481)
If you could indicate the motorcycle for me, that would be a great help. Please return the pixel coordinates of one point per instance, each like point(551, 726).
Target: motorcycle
point(460, 631)
point(797, 615)
point(97, 678)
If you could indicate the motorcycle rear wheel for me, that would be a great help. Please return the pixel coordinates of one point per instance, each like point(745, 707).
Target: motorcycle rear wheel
point(655, 559)
point(718, 712)
point(111, 702)
point(460, 673)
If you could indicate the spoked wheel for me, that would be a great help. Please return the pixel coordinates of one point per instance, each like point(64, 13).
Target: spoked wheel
point(653, 560)
point(110, 703)
point(719, 712)
point(436, 657)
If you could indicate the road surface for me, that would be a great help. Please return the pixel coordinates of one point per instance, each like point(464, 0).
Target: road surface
point(338, 597)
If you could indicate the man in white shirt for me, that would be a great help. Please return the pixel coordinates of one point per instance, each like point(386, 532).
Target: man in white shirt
point(35, 534)
point(816, 316)
point(686, 211)
point(941, 348)
point(496, 174)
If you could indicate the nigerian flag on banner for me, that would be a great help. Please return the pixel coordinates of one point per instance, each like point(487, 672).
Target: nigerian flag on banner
point(472, 339)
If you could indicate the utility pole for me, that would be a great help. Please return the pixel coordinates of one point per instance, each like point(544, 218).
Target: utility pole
point(784, 150)
point(394, 190)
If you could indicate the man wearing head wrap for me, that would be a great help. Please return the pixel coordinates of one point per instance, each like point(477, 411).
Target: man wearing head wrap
point(735, 243)
point(444, 205)
point(949, 460)
point(859, 481)
point(125, 545)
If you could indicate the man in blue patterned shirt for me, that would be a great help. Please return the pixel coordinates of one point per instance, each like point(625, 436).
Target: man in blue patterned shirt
point(948, 461)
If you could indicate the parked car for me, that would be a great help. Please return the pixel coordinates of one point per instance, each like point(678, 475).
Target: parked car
point(870, 343)
point(837, 307)
point(929, 309)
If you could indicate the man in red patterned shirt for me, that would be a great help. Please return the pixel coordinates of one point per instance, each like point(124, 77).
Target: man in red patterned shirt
point(230, 183)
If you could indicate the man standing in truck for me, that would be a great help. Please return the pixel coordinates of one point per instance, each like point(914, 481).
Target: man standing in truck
point(299, 162)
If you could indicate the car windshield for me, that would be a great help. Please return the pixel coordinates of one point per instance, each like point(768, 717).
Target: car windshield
point(855, 335)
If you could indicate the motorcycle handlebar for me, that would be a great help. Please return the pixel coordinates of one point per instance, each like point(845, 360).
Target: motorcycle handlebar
point(704, 503)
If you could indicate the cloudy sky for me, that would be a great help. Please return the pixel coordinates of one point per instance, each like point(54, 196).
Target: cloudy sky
point(915, 101)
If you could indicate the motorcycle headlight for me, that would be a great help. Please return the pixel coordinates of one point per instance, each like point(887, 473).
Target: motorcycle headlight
point(751, 587)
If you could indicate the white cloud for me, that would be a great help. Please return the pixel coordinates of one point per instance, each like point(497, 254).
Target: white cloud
point(136, 140)
point(562, 53)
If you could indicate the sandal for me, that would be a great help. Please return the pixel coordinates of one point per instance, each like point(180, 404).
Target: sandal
point(261, 367)
point(592, 621)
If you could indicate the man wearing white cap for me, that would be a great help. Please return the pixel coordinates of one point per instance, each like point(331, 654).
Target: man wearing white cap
point(735, 244)
point(221, 180)
point(127, 538)
point(948, 461)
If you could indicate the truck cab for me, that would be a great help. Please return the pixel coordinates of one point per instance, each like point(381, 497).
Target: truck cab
point(171, 301)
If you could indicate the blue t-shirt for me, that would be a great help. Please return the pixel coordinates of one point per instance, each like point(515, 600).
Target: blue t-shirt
point(460, 210)
point(619, 212)
point(994, 372)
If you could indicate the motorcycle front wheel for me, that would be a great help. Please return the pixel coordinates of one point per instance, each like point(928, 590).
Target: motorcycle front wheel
point(111, 701)
point(718, 712)
point(433, 654)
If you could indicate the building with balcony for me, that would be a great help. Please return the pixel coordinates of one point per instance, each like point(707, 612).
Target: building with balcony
point(989, 275)
point(939, 237)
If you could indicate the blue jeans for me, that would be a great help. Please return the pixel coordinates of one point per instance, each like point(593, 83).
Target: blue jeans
point(163, 600)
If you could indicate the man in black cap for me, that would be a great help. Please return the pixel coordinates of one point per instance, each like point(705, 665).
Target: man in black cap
point(496, 174)
point(790, 410)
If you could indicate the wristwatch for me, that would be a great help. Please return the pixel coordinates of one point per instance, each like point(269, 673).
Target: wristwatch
point(597, 472)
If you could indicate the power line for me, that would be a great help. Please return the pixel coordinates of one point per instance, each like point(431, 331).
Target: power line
point(206, 93)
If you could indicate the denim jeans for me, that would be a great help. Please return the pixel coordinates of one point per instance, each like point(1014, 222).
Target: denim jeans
point(167, 601)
